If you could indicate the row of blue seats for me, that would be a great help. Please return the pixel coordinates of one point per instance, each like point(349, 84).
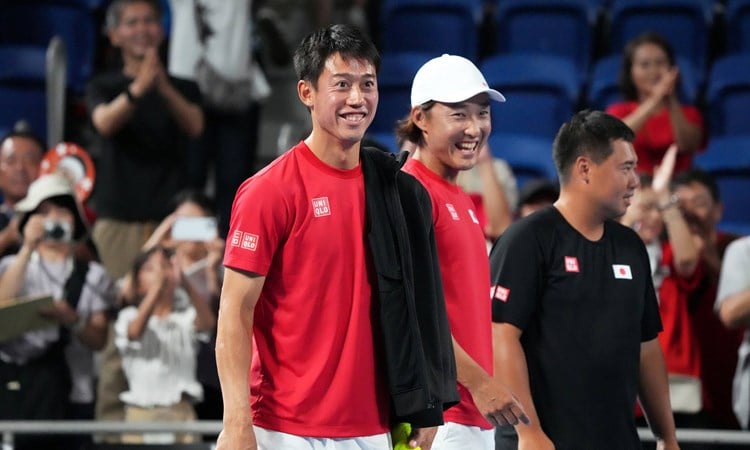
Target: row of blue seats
point(564, 27)
point(543, 91)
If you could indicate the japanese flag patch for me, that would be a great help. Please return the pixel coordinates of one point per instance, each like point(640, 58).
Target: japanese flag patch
point(499, 292)
point(622, 271)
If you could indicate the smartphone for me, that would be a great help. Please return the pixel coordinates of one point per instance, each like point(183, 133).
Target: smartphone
point(194, 229)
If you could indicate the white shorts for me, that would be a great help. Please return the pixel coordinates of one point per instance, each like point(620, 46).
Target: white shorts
point(276, 440)
point(454, 436)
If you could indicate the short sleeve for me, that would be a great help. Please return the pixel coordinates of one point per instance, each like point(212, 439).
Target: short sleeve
point(734, 277)
point(651, 318)
point(516, 262)
point(99, 292)
point(258, 224)
point(124, 318)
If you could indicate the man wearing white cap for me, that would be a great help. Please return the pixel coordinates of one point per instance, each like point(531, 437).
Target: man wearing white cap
point(449, 122)
point(48, 373)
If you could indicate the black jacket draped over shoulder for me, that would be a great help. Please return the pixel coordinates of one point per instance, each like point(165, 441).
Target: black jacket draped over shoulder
point(417, 344)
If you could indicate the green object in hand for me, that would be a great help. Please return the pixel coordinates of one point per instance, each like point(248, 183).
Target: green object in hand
point(400, 435)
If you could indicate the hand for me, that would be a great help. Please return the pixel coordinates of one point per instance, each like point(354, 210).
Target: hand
point(422, 437)
point(61, 312)
point(663, 174)
point(498, 404)
point(162, 233)
point(215, 252)
point(33, 232)
point(665, 88)
point(485, 154)
point(240, 438)
point(535, 440)
point(149, 74)
point(669, 444)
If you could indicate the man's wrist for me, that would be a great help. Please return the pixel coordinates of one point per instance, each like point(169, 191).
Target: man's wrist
point(671, 202)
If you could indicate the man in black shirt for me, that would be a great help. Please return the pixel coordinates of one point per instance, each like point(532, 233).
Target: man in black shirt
point(576, 316)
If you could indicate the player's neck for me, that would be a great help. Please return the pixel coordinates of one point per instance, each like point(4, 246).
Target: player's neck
point(582, 217)
point(337, 154)
point(445, 172)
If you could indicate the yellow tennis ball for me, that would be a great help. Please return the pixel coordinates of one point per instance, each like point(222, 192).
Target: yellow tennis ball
point(400, 434)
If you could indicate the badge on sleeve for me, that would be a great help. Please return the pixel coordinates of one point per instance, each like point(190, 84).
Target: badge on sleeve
point(500, 292)
point(622, 271)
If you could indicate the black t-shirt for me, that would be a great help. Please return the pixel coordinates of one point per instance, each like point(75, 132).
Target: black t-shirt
point(141, 167)
point(584, 308)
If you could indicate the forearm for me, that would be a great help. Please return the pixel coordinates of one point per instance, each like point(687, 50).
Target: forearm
point(109, 118)
point(470, 374)
point(205, 320)
point(654, 391)
point(734, 311)
point(233, 356)
point(12, 279)
point(138, 325)
point(687, 135)
point(686, 253)
point(94, 333)
point(638, 118)
point(495, 202)
point(188, 115)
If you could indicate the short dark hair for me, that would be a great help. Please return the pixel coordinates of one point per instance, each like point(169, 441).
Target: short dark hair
point(311, 55)
point(587, 133)
point(26, 134)
point(407, 130)
point(627, 87)
point(197, 197)
point(114, 11)
point(700, 176)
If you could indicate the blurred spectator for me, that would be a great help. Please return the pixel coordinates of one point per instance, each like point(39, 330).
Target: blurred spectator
point(48, 373)
point(20, 155)
point(701, 206)
point(649, 81)
point(535, 195)
point(144, 119)
point(157, 337)
point(200, 261)
point(733, 307)
point(210, 43)
point(676, 270)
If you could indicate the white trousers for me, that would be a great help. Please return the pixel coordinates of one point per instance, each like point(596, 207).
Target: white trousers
point(454, 436)
point(276, 440)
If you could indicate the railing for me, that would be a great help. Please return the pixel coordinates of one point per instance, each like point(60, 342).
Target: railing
point(11, 428)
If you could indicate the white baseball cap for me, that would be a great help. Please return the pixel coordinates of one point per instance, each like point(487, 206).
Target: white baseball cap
point(449, 79)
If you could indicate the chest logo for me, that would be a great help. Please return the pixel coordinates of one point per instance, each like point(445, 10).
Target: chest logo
point(321, 207)
point(452, 210)
point(247, 241)
point(622, 271)
point(473, 217)
point(571, 264)
point(499, 292)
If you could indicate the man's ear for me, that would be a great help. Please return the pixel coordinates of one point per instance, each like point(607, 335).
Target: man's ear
point(306, 92)
point(582, 169)
point(419, 117)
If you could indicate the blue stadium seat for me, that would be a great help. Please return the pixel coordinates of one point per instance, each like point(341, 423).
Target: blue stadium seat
point(530, 157)
point(556, 27)
point(737, 14)
point(396, 73)
point(728, 95)
point(604, 88)
point(435, 26)
point(728, 160)
point(542, 92)
point(34, 23)
point(22, 88)
point(686, 24)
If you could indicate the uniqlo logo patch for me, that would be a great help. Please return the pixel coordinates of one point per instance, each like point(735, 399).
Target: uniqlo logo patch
point(452, 210)
point(321, 207)
point(249, 241)
point(571, 264)
point(499, 292)
point(622, 271)
point(236, 238)
point(473, 217)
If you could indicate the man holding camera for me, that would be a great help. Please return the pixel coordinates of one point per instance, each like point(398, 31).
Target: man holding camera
point(47, 373)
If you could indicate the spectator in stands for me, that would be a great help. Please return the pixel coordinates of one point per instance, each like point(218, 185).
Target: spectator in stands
point(46, 373)
point(733, 308)
point(701, 206)
point(143, 119)
point(210, 43)
point(536, 194)
point(450, 123)
point(157, 336)
point(200, 261)
point(676, 269)
point(21, 153)
point(649, 82)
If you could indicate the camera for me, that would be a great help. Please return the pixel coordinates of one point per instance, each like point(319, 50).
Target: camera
point(57, 231)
